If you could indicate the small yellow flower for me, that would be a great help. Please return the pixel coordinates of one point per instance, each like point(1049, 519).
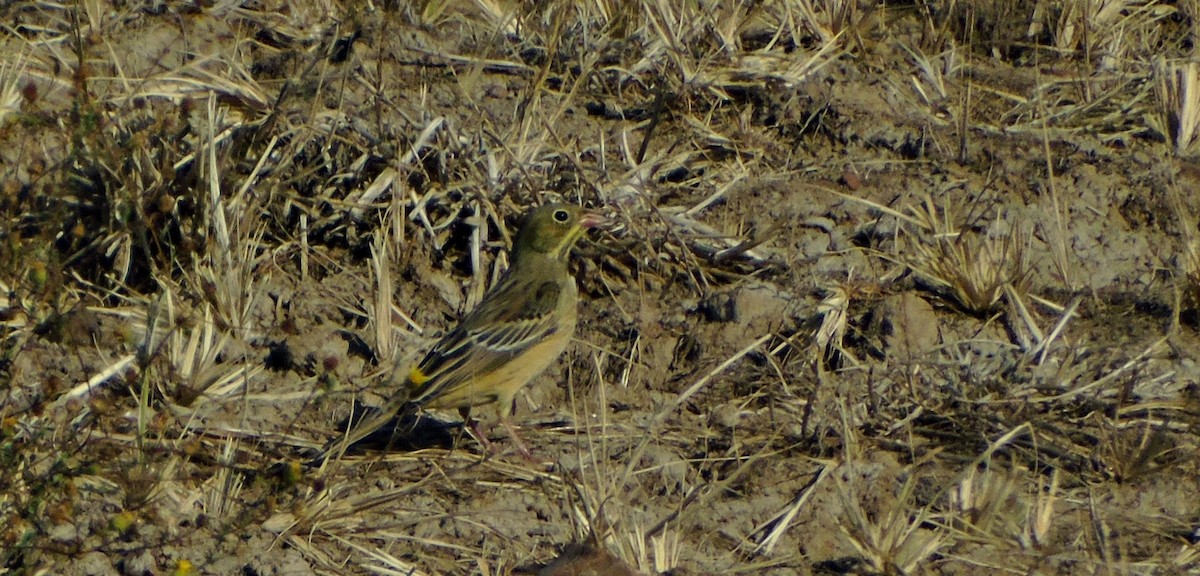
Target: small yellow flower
point(184, 568)
point(124, 521)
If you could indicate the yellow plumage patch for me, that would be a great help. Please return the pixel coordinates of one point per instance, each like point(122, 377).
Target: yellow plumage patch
point(416, 377)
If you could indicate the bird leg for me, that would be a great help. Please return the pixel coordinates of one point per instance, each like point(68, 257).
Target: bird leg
point(477, 432)
point(516, 439)
point(472, 426)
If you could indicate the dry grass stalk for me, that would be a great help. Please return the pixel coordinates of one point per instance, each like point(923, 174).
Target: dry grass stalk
point(973, 269)
point(934, 73)
point(11, 75)
point(778, 525)
point(970, 268)
point(1055, 232)
point(1101, 91)
point(1043, 512)
point(1179, 96)
point(983, 504)
point(1106, 32)
point(896, 541)
point(833, 310)
point(1189, 247)
point(381, 311)
point(827, 18)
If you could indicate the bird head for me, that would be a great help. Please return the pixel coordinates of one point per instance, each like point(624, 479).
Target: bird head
point(552, 230)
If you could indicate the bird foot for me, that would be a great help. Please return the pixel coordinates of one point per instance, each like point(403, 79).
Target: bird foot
point(496, 450)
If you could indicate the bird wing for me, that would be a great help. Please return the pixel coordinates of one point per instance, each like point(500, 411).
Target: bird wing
point(509, 321)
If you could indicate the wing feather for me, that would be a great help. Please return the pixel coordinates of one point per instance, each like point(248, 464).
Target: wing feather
point(481, 344)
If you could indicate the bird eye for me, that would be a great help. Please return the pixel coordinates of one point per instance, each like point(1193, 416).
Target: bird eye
point(561, 216)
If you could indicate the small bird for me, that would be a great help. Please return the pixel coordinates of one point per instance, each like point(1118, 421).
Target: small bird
point(521, 326)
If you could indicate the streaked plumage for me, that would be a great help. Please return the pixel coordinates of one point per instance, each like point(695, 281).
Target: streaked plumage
point(520, 327)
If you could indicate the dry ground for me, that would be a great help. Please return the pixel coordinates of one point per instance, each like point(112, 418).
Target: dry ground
point(892, 287)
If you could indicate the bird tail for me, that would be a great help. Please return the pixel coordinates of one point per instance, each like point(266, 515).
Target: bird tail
point(365, 422)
